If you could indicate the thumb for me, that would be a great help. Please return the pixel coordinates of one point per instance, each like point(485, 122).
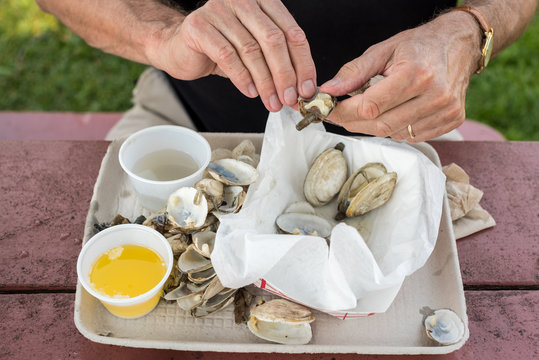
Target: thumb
point(358, 71)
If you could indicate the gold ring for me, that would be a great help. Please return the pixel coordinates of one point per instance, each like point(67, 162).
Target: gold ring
point(410, 131)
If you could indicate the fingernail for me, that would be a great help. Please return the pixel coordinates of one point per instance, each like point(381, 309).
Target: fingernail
point(290, 96)
point(251, 89)
point(308, 88)
point(333, 82)
point(274, 102)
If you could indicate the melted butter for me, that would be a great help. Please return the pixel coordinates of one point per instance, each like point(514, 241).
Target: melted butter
point(127, 271)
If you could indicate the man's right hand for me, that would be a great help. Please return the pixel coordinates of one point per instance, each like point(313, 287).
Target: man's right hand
point(256, 44)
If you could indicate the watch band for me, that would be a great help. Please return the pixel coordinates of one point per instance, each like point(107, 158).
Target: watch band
point(488, 32)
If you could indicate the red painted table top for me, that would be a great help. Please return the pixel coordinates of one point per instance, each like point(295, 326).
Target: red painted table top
point(45, 190)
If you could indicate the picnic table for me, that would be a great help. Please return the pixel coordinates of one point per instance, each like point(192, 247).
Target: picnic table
point(45, 191)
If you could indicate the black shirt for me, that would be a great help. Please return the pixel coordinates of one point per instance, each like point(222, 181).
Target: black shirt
point(338, 31)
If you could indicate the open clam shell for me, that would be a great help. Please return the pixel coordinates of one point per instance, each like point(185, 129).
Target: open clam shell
point(444, 326)
point(326, 176)
point(232, 172)
point(183, 211)
point(203, 242)
point(232, 200)
point(315, 109)
point(303, 224)
point(192, 261)
point(281, 321)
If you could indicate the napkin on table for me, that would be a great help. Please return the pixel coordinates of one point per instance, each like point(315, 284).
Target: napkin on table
point(467, 215)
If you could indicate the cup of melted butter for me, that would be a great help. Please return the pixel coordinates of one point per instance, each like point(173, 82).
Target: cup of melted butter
point(125, 268)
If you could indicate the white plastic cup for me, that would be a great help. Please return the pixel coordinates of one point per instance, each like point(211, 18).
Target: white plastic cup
point(126, 234)
point(153, 194)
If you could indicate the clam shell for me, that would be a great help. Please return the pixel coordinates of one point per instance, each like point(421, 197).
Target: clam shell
point(192, 261)
point(203, 242)
point(212, 189)
point(182, 210)
point(233, 172)
point(281, 321)
point(201, 276)
point(301, 207)
point(303, 224)
point(326, 176)
point(365, 190)
point(444, 326)
point(232, 200)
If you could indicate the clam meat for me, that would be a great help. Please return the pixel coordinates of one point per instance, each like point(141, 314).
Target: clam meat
point(315, 109)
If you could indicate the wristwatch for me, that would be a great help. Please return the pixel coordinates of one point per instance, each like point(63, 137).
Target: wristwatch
point(486, 49)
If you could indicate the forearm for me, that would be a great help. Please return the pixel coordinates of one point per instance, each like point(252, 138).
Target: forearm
point(125, 28)
point(509, 19)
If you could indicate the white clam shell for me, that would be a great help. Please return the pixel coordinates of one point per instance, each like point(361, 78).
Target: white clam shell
point(303, 224)
point(281, 321)
point(192, 260)
point(444, 326)
point(183, 211)
point(325, 177)
point(233, 172)
point(301, 207)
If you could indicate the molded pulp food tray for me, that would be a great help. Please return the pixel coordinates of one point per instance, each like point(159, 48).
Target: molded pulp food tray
point(400, 330)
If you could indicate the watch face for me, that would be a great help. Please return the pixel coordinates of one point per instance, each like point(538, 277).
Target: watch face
point(487, 48)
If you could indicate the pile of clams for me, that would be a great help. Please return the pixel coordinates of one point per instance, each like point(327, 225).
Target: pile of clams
point(189, 224)
point(368, 188)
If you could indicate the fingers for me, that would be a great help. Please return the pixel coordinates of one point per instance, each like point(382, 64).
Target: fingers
point(266, 39)
point(358, 71)
point(298, 46)
point(208, 40)
point(272, 42)
point(429, 116)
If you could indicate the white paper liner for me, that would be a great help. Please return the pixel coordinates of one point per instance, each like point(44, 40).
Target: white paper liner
point(360, 272)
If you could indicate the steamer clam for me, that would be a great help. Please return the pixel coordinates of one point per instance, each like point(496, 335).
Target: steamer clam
point(326, 176)
point(281, 321)
point(368, 188)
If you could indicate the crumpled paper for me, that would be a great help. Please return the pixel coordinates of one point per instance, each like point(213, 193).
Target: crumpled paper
point(365, 265)
point(467, 215)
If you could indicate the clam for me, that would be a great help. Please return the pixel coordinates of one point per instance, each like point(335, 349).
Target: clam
point(315, 109)
point(215, 303)
point(212, 190)
point(366, 189)
point(326, 176)
point(281, 321)
point(302, 207)
point(233, 198)
point(183, 211)
point(178, 243)
point(246, 147)
point(192, 260)
point(444, 327)
point(203, 242)
point(303, 224)
point(232, 172)
point(200, 276)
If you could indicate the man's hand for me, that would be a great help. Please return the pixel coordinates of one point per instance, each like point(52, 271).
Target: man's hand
point(427, 70)
point(256, 44)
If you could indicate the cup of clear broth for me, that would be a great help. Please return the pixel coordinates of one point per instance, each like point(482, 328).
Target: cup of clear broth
point(125, 267)
point(161, 159)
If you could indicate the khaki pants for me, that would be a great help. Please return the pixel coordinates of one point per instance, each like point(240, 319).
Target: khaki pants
point(155, 103)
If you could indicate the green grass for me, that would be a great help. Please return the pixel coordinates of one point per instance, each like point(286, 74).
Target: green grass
point(45, 67)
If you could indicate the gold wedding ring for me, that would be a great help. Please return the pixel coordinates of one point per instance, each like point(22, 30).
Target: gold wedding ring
point(410, 131)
